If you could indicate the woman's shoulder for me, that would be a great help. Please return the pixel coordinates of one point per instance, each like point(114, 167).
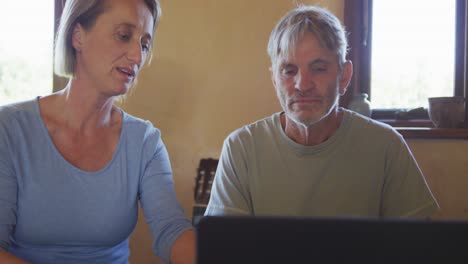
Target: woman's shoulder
point(18, 110)
point(136, 126)
point(141, 137)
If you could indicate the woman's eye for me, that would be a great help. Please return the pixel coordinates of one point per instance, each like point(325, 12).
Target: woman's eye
point(145, 47)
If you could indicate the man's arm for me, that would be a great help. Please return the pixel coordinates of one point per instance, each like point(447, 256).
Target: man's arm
point(406, 192)
point(230, 191)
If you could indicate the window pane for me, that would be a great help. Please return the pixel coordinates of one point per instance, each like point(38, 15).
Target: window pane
point(26, 47)
point(413, 52)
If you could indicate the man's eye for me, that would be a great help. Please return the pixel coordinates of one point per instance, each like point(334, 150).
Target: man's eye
point(288, 72)
point(124, 37)
point(319, 69)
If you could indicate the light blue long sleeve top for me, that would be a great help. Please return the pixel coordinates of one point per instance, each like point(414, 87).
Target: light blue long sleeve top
point(53, 212)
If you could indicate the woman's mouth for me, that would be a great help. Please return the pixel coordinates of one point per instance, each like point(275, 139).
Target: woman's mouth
point(128, 73)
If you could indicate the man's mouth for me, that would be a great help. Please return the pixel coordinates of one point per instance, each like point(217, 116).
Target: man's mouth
point(306, 100)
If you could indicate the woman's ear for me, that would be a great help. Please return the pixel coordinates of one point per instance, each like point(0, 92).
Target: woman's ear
point(77, 37)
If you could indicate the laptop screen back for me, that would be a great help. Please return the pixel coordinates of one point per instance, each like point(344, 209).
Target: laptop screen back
point(318, 240)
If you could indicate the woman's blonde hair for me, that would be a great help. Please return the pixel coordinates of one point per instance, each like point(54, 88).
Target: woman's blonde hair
point(84, 12)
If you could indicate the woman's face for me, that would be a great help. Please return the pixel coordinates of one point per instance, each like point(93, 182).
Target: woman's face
point(110, 54)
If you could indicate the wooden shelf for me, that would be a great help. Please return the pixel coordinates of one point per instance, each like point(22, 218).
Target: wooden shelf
point(424, 129)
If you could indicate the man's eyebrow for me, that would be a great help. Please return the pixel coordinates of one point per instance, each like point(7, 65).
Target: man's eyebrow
point(319, 61)
point(287, 64)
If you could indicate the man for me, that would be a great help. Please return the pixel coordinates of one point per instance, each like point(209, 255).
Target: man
point(315, 158)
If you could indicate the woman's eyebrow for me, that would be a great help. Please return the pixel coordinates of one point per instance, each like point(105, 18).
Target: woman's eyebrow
point(132, 26)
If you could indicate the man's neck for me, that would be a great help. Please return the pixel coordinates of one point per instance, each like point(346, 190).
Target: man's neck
point(315, 134)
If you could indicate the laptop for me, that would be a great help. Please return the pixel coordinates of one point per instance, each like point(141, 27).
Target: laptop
point(325, 240)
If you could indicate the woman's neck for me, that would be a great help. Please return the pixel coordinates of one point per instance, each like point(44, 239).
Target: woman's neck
point(81, 109)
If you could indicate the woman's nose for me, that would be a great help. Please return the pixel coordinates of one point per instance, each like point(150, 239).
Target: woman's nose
point(135, 54)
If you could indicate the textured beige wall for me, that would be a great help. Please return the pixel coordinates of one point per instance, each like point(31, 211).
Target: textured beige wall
point(209, 76)
point(445, 165)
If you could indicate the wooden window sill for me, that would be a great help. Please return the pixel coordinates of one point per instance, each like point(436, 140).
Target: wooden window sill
point(433, 133)
point(423, 129)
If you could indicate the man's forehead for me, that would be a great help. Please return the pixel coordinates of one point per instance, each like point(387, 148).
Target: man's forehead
point(289, 60)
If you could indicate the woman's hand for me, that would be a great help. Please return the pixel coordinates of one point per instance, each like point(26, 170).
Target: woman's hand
point(7, 258)
point(183, 250)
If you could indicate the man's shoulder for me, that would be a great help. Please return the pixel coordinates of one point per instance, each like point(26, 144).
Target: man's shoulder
point(371, 127)
point(256, 129)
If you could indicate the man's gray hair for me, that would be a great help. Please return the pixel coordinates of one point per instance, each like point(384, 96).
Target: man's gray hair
point(326, 27)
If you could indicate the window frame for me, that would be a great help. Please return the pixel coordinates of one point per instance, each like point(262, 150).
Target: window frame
point(58, 82)
point(58, 8)
point(358, 23)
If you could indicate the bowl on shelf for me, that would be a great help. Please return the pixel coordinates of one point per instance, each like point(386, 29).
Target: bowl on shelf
point(447, 112)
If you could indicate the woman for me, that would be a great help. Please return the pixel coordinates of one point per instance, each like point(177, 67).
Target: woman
point(73, 165)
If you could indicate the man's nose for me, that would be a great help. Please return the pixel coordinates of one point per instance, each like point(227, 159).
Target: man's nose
point(303, 81)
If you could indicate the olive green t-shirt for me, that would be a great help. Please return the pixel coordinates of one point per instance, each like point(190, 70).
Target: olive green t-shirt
point(364, 169)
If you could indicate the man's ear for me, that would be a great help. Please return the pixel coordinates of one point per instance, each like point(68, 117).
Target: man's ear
point(77, 37)
point(272, 75)
point(346, 75)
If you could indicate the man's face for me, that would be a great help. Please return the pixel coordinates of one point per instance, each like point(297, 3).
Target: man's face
point(308, 82)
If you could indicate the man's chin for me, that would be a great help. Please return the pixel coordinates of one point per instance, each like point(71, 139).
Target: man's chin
point(306, 119)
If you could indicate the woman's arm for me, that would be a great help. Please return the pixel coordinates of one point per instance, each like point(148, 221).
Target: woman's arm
point(8, 189)
point(7, 258)
point(173, 239)
point(183, 250)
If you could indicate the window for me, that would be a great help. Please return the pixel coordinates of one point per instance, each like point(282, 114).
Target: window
point(438, 23)
point(412, 59)
point(26, 49)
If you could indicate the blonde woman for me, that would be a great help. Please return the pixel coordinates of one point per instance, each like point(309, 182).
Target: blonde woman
point(73, 166)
